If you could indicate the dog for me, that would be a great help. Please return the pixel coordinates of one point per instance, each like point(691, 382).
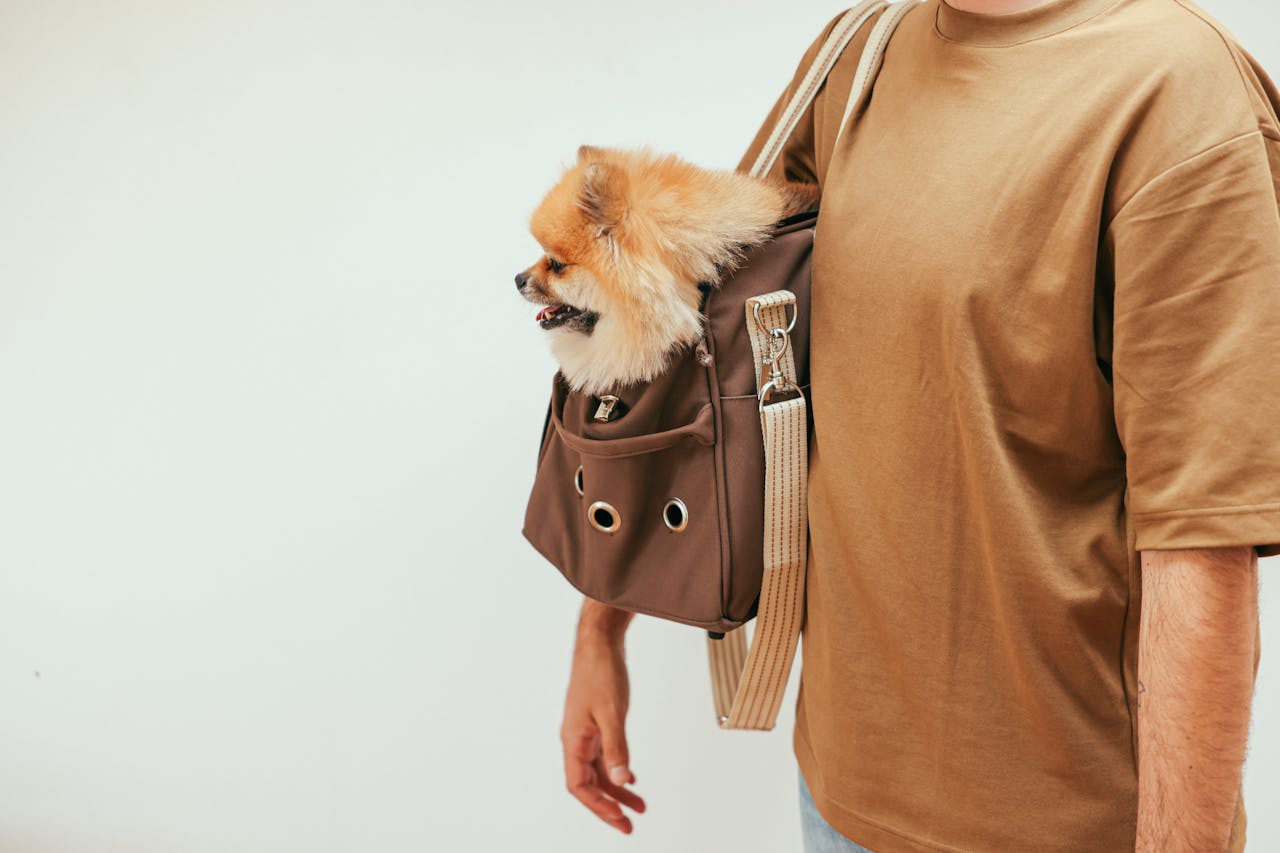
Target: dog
point(627, 237)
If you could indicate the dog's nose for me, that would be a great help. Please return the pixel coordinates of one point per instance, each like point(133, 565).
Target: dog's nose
point(521, 280)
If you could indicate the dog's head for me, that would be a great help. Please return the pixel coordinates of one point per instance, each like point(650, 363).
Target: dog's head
point(627, 236)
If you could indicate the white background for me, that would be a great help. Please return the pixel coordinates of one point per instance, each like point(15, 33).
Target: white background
point(269, 409)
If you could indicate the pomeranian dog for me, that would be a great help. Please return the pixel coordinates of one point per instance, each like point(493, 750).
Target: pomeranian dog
point(628, 236)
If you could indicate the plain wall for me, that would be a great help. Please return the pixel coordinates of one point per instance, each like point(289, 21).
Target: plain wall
point(269, 409)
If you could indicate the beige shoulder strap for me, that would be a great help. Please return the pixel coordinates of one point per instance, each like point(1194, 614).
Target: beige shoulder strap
point(748, 686)
point(873, 56)
point(841, 34)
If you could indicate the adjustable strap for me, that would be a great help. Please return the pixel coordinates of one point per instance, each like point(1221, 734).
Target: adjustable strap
point(830, 51)
point(748, 685)
point(872, 57)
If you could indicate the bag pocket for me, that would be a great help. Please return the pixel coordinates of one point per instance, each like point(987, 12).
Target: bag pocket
point(644, 531)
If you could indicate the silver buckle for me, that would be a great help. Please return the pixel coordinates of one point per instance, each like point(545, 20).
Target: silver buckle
point(772, 378)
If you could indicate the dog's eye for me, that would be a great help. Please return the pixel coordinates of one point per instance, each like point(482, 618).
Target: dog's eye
point(555, 266)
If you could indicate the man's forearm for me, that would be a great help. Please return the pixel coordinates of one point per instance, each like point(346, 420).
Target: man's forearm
point(599, 621)
point(1195, 686)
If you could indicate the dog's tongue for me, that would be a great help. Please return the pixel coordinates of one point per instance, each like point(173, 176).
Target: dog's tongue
point(547, 312)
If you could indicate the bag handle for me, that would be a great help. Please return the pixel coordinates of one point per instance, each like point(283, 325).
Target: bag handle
point(747, 686)
point(873, 57)
point(869, 63)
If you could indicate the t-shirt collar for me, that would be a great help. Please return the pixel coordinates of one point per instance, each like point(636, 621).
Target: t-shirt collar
point(1015, 27)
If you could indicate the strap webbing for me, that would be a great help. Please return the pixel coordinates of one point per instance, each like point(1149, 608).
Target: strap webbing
point(830, 51)
point(748, 688)
point(872, 56)
point(748, 684)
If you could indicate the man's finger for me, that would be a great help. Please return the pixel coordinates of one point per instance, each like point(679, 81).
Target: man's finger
point(583, 782)
point(607, 809)
point(613, 742)
point(630, 799)
point(580, 754)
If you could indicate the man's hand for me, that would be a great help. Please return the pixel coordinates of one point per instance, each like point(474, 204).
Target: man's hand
point(1196, 649)
point(596, 764)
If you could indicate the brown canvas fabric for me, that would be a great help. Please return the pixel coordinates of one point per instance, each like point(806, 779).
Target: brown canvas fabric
point(1045, 336)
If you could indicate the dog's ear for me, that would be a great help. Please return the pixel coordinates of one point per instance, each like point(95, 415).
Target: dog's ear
point(588, 152)
point(604, 196)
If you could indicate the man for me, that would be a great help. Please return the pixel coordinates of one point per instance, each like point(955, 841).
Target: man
point(1045, 341)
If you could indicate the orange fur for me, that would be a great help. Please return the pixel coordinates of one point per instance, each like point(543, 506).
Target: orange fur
point(637, 232)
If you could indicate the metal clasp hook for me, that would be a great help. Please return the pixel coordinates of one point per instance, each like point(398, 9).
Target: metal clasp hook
point(768, 388)
point(772, 377)
point(755, 311)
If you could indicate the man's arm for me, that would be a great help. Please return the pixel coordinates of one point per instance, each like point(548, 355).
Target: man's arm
point(593, 732)
point(1195, 686)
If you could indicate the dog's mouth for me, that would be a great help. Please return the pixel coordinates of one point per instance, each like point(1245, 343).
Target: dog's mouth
point(552, 316)
point(555, 316)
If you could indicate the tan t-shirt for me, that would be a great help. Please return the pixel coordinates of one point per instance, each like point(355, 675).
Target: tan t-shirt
point(1045, 336)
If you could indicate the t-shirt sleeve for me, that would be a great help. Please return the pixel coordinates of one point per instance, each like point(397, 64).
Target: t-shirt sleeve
point(1195, 257)
point(798, 159)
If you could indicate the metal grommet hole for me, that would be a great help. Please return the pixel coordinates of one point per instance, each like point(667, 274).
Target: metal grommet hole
point(675, 514)
point(577, 480)
point(604, 517)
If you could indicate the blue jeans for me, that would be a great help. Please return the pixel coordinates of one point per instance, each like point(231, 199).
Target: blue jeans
point(820, 836)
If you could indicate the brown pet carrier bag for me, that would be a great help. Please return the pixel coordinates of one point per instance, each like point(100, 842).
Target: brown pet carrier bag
point(684, 498)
